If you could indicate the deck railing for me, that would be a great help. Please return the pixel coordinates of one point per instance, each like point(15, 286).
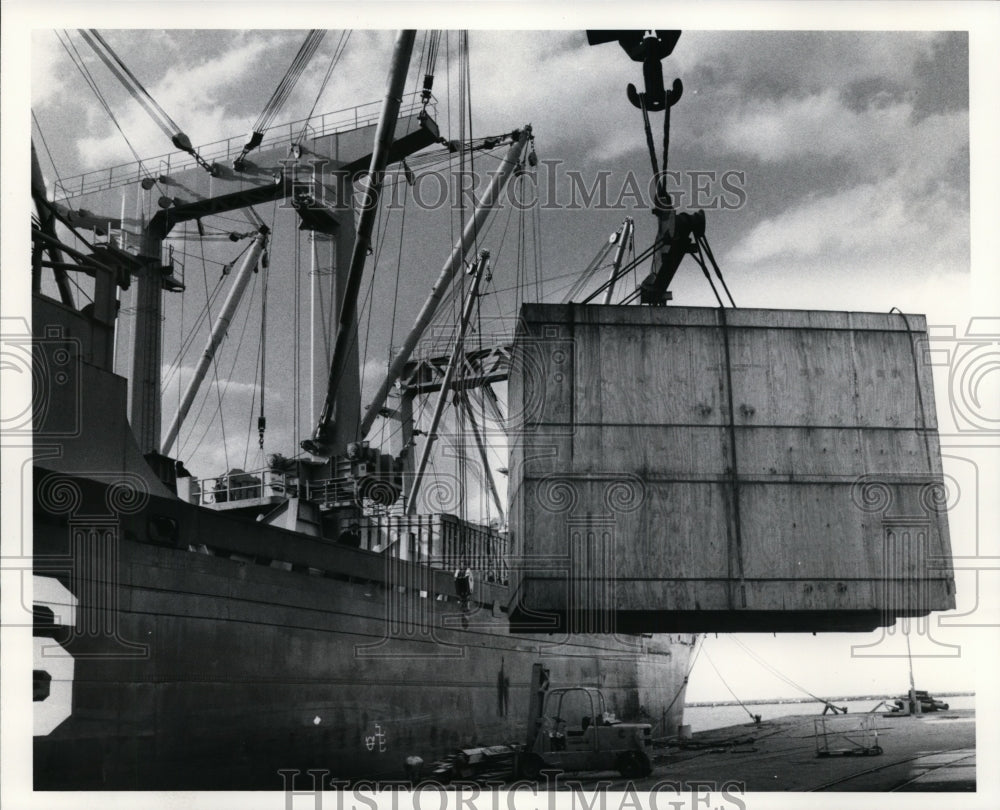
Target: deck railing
point(244, 486)
point(438, 540)
point(227, 150)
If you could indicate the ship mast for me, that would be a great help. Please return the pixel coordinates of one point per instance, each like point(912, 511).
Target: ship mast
point(144, 412)
point(335, 160)
point(328, 438)
point(448, 273)
point(477, 271)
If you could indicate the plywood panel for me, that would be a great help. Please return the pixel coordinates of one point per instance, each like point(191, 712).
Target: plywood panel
point(644, 486)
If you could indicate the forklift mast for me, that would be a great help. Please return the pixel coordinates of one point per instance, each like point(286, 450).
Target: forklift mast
point(536, 700)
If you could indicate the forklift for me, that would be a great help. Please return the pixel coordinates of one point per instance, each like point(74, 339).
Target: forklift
point(570, 729)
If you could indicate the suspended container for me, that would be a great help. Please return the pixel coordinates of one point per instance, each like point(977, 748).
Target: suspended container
point(687, 469)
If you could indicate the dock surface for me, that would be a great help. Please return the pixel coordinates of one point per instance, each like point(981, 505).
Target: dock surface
point(933, 752)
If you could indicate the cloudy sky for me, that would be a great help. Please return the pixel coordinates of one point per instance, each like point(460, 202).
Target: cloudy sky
point(851, 150)
point(854, 146)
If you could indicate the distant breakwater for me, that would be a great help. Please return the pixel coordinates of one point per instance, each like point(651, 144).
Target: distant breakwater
point(762, 701)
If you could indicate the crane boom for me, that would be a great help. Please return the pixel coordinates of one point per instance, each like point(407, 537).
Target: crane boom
point(321, 443)
point(448, 273)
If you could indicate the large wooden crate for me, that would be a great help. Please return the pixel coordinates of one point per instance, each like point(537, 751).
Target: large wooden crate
point(691, 469)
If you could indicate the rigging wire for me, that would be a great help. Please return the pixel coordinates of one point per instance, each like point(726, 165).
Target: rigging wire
point(694, 658)
point(633, 261)
point(537, 229)
point(731, 692)
point(628, 299)
point(622, 271)
point(215, 374)
point(702, 243)
point(399, 264)
point(188, 255)
point(429, 67)
point(334, 61)
point(253, 402)
point(700, 261)
point(499, 250)
point(297, 338)
point(452, 298)
point(79, 288)
point(774, 671)
point(48, 152)
point(260, 364)
point(482, 420)
point(421, 61)
point(205, 312)
point(568, 277)
point(522, 250)
point(180, 378)
point(381, 230)
point(77, 60)
point(229, 378)
point(262, 419)
point(325, 320)
point(192, 334)
point(460, 286)
point(466, 68)
point(395, 298)
point(134, 87)
point(448, 301)
point(281, 93)
point(466, 100)
point(237, 220)
point(596, 264)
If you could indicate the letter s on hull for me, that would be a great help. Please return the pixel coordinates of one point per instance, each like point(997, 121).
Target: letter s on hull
point(52, 658)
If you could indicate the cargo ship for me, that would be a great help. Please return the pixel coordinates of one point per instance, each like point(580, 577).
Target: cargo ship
point(325, 612)
point(220, 634)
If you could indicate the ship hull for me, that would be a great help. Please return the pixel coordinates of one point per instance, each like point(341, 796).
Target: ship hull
point(221, 670)
point(178, 647)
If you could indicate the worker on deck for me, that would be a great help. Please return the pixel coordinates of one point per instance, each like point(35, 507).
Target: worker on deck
point(463, 585)
point(351, 536)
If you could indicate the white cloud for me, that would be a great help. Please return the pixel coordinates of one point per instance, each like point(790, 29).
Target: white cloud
point(221, 96)
point(48, 61)
point(909, 209)
point(881, 139)
point(816, 125)
point(194, 97)
point(778, 62)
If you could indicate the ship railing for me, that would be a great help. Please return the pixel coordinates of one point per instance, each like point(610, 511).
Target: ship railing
point(440, 541)
point(227, 150)
point(331, 491)
point(245, 488)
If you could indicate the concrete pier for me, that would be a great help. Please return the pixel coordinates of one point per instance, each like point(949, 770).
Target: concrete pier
point(932, 753)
